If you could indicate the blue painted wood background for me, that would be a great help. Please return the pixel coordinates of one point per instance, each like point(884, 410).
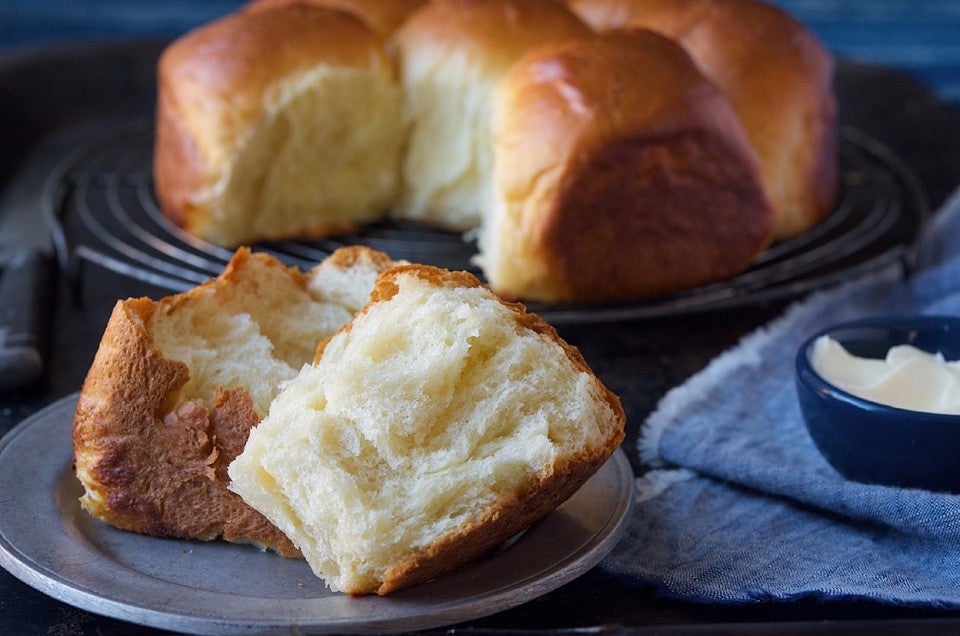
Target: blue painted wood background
point(922, 38)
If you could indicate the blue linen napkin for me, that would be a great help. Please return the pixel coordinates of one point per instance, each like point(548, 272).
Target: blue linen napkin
point(745, 508)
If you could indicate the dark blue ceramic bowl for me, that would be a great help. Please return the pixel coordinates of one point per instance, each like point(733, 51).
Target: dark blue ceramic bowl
point(874, 443)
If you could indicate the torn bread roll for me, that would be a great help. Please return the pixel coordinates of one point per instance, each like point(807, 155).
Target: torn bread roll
point(437, 424)
point(177, 384)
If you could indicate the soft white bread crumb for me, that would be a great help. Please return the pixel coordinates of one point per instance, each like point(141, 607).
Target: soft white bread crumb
point(261, 322)
point(347, 277)
point(451, 53)
point(233, 335)
point(437, 424)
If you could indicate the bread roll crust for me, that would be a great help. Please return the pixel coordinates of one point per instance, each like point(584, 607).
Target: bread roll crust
point(150, 466)
point(622, 173)
point(491, 34)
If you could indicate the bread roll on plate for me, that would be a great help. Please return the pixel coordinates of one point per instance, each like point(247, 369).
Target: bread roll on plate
point(620, 172)
point(776, 74)
point(277, 123)
point(437, 424)
point(177, 383)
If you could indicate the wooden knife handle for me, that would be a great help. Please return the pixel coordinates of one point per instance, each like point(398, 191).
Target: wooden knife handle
point(26, 291)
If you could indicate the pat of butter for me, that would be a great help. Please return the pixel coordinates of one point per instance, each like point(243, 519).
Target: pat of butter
point(908, 378)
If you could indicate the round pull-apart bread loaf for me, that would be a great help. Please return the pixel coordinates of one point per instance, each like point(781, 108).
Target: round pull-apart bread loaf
point(437, 424)
point(177, 384)
point(347, 123)
point(778, 78)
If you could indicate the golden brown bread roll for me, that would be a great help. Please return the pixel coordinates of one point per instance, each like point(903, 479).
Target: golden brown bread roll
point(451, 54)
point(261, 141)
point(177, 384)
point(776, 74)
point(620, 172)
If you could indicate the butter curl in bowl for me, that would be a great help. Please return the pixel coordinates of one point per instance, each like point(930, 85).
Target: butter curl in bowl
point(881, 398)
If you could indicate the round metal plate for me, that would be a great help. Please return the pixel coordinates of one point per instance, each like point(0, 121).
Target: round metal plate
point(49, 542)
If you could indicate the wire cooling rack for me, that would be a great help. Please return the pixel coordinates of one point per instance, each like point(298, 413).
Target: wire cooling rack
point(102, 196)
